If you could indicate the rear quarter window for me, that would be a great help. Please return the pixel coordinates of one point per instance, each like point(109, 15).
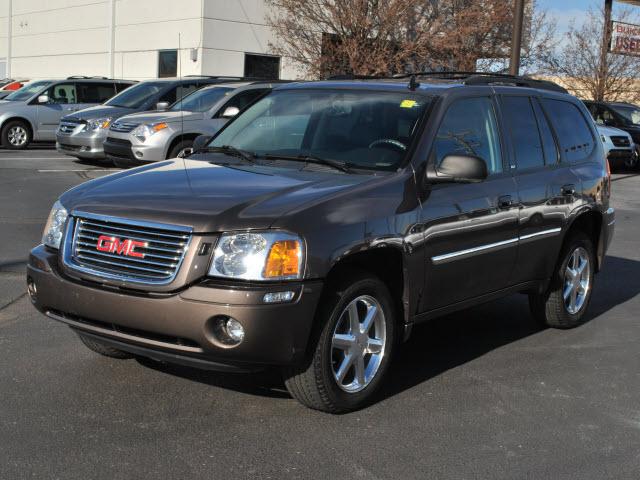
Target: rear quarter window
point(573, 132)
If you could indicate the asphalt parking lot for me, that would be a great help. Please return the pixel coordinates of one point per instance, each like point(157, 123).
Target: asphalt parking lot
point(484, 393)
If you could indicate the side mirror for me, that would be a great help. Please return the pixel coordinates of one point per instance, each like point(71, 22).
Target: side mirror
point(200, 143)
point(162, 106)
point(459, 169)
point(230, 112)
point(43, 99)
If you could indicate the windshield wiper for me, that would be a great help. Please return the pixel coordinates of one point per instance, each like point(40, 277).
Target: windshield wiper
point(236, 152)
point(337, 164)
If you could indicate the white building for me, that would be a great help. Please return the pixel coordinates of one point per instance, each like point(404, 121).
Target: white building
point(136, 39)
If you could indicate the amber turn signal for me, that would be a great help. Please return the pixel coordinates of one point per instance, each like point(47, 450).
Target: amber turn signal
point(284, 259)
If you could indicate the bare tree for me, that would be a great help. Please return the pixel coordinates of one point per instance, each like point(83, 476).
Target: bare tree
point(376, 37)
point(579, 61)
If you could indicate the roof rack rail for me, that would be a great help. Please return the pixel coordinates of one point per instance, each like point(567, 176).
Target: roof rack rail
point(489, 78)
point(85, 77)
point(350, 76)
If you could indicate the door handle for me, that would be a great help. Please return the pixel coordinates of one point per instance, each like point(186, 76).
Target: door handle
point(505, 202)
point(568, 189)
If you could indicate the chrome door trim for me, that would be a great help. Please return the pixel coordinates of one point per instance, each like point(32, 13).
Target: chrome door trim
point(472, 251)
point(491, 246)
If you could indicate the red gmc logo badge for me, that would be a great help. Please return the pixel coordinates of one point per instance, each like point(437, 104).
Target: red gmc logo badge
point(119, 246)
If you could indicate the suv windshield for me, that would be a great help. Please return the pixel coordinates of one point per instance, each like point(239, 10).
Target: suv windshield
point(137, 95)
point(368, 129)
point(201, 100)
point(28, 90)
point(629, 112)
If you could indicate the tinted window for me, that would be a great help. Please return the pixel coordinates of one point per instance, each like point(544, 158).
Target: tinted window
point(167, 63)
point(551, 154)
point(262, 66)
point(137, 95)
point(243, 99)
point(95, 92)
point(629, 112)
point(187, 88)
point(522, 124)
point(202, 100)
point(62, 93)
point(572, 129)
point(366, 129)
point(469, 128)
point(170, 96)
point(122, 86)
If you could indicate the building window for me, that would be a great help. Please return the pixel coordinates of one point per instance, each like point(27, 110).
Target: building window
point(261, 66)
point(167, 63)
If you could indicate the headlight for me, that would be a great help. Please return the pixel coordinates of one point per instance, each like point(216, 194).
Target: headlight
point(258, 256)
point(142, 132)
point(54, 229)
point(98, 124)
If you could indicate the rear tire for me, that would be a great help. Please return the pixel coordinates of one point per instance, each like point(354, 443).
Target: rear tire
point(16, 135)
point(347, 361)
point(569, 293)
point(179, 147)
point(103, 349)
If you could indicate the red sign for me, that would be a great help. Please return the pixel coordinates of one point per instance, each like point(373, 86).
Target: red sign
point(120, 246)
point(625, 38)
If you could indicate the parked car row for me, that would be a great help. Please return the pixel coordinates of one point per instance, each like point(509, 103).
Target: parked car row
point(10, 85)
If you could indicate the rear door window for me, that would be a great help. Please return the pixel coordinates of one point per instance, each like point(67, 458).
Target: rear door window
point(62, 93)
point(469, 128)
point(95, 92)
point(572, 129)
point(550, 147)
point(170, 96)
point(522, 124)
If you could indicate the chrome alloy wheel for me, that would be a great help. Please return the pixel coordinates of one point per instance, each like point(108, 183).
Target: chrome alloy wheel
point(357, 345)
point(17, 136)
point(577, 281)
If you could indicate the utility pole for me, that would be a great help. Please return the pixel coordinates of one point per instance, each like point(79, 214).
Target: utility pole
point(604, 49)
point(516, 40)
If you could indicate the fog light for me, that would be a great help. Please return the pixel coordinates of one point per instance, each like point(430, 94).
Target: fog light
point(139, 154)
point(235, 330)
point(278, 297)
point(32, 290)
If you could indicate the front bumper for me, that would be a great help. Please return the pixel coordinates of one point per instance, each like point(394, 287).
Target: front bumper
point(126, 148)
point(618, 156)
point(81, 146)
point(178, 326)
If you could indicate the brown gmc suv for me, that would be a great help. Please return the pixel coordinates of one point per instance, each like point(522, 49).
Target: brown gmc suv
point(323, 222)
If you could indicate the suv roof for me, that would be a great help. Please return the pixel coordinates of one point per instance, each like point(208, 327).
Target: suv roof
point(431, 80)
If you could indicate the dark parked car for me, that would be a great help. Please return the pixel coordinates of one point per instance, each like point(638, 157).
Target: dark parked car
point(325, 221)
point(624, 116)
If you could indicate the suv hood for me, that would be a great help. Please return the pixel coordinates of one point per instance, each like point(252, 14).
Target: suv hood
point(166, 116)
point(208, 197)
point(98, 111)
point(611, 131)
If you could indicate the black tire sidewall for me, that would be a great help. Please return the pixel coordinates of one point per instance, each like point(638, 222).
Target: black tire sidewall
point(345, 401)
point(179, 146)
point(5, 135)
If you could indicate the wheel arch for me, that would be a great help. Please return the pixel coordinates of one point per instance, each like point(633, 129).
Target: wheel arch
point(177, 139)
point(588, 221)
point(388, 264)
point(21, 119)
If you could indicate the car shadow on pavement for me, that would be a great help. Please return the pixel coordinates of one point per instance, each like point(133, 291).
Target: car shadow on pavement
point(443, 343)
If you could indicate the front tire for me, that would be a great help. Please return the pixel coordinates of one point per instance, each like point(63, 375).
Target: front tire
point(102, 349)
point(16, 135)
point(180, 147)
point(351, 349)
point(566, 301)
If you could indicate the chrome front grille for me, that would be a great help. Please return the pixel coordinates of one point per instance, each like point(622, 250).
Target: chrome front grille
point(130, 251)
point(123, 127)
point(67, 127)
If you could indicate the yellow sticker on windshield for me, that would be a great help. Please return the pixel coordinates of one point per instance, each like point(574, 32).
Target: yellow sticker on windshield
point(408, 103)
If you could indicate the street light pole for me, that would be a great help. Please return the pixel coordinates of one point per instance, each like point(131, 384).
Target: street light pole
point(516, 40)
